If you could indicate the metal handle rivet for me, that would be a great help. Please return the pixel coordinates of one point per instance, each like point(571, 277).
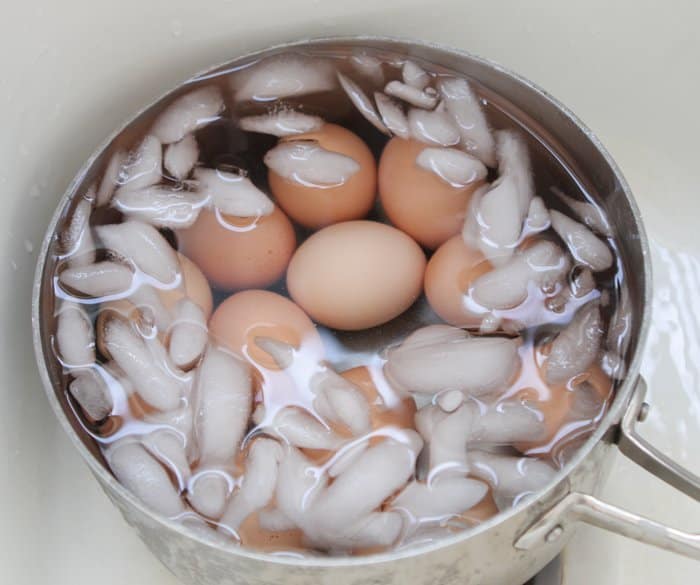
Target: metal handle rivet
point(643, 412)
point(554, 534)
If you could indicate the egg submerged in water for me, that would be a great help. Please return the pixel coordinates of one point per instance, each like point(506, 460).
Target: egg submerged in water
point(400, 415)
point(323, 177)
point(417, 200)
point(251, 314)
point(236, 253)
point(356, 274)
point(451, 271)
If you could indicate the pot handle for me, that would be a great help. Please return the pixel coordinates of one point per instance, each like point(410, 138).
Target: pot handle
point(645, 454)
point(575, 506)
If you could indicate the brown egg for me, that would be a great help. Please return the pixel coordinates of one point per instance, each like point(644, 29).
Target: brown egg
point(401, 416)
point(484, 510)
point(316, 207)
point(356, 274)
point(237, 253)
point(320, 457)
point(601, 382)
point(255, 537)
point(194, 286)
point(552, 402)
point(416, 200)
point(448, 276)
point(139, 408)
point(556, 408)
point(260, 313)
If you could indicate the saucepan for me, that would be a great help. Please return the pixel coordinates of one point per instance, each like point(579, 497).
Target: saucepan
point(510, 547)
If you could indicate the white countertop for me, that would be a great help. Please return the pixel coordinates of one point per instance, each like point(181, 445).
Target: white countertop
point(70, 71)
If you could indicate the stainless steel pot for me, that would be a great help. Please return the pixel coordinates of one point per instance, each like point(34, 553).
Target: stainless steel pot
point(507, 549)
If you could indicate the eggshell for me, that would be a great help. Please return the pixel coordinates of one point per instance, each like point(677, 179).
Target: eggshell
point(356, 274)
point(194, 286)
point(139, 408)
point(601, 382)
point(448, 276)
point(484, 510)
point(380, 416)
point(316, 207)
point(416, 200)
point(236, 253)
point(260, 313)
point(556, 407)
point(554, 410)
point(253, 536)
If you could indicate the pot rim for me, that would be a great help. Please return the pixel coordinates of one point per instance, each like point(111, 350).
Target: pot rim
point(611, 418)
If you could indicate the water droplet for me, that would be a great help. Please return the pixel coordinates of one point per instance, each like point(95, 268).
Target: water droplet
point(24, 150)
point(28, 246)
point(35, 192)
point(176, 28)
point(13, 265)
